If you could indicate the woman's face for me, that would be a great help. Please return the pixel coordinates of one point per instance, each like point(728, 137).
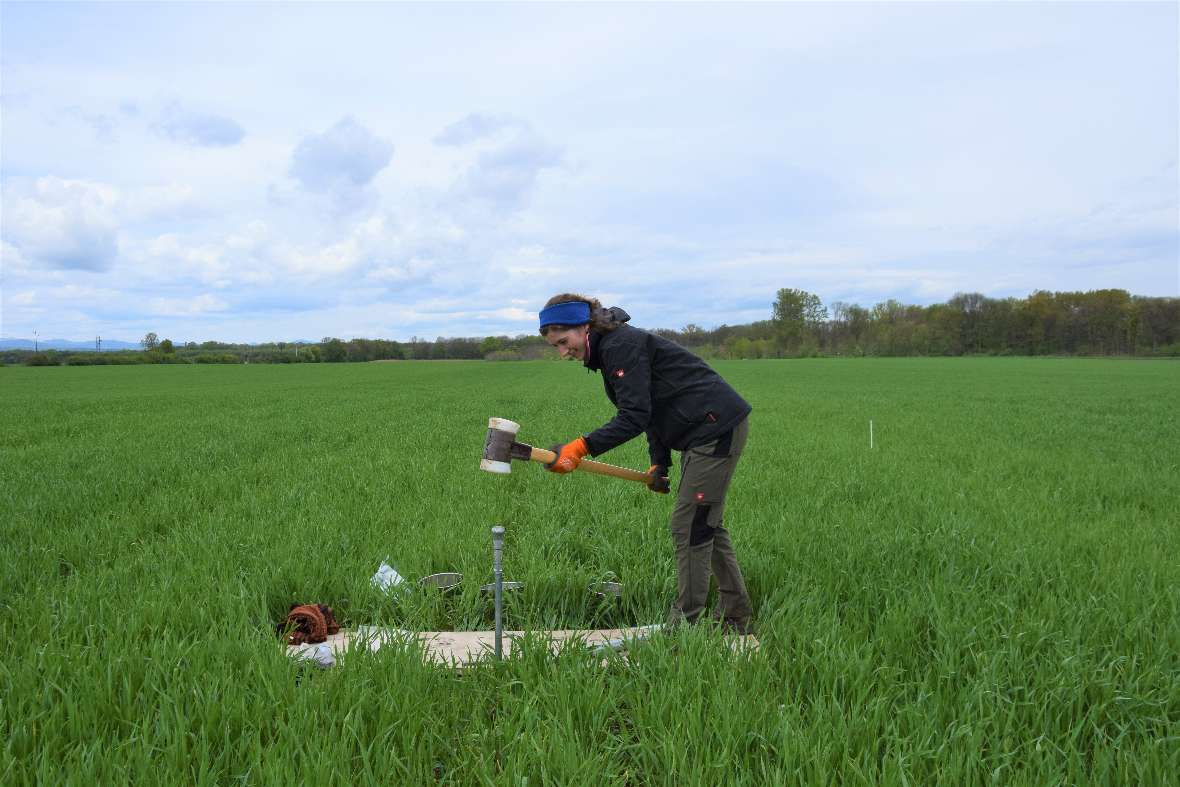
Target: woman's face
point(571, 344)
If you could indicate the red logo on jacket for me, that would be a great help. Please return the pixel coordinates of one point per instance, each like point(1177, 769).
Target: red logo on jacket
point(617, 372)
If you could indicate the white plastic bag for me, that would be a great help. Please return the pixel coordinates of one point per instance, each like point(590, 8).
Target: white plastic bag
point(388, 579)
point(321, 655)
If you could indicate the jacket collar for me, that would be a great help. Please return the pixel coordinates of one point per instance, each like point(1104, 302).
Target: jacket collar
point(592, 362)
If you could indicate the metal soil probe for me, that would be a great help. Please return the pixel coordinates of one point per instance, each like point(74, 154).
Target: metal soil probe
point(498, 569)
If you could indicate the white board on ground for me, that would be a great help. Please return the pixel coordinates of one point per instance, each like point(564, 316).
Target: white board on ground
point(463, 648)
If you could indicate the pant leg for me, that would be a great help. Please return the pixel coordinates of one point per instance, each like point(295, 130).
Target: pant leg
point(694, 558)
point(735, 601)
point(703, 546)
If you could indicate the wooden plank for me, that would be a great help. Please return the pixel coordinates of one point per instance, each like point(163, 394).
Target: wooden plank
point(463, 648)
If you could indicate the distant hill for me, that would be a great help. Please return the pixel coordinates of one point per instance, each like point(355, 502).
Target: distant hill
point(12, 343)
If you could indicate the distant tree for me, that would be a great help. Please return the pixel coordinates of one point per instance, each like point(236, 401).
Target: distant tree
point(166, 347)
point(491, 344)
point(693, 335)
point(797, 314)
point(998, 328)
point(40, 359)
point(1110, 321)
point(894, 327)
point(943, 334)
point(334, 351)
point(1043, 317)
point(360, 350)
point(1158, 323)
point(970, 306)
point(150, 341)
point(419, 349)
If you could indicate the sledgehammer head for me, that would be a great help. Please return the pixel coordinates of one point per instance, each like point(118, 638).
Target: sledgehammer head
point(497, 448)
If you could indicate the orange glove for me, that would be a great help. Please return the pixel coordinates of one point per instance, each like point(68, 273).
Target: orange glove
point(658, 479)
point(569, 456)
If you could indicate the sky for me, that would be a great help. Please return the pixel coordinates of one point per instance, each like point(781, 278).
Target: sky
point(280, 172)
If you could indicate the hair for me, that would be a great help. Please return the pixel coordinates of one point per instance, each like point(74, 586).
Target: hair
point(599, 318)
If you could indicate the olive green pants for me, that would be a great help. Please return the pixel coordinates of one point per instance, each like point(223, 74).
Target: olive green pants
point(703, 547)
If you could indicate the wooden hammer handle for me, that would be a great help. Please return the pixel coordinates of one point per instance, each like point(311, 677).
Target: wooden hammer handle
point(545, 457)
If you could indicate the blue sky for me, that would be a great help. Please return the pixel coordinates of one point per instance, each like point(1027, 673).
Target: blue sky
point(291, 171)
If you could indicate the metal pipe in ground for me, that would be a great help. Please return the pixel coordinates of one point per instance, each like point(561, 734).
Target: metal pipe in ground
point(498, 568)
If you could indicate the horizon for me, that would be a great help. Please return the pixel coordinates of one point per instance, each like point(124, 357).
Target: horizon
point(417, 177)
point(413, 338)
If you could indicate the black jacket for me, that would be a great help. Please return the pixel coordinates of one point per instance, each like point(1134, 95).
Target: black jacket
point(661, 389)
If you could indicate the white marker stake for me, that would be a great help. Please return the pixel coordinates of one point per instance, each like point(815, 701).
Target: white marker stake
point(870, 434)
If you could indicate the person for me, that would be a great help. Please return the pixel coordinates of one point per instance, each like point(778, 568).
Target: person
point(666, 392)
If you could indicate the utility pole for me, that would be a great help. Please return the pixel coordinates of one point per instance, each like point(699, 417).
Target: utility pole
point(36, 344)
point(98, 344)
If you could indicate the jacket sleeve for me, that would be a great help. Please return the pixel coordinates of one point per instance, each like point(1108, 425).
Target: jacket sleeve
point(629, 370)
point(660, 454)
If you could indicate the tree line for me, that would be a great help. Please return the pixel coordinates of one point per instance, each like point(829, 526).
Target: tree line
point(327, 350)
point(1098, 322)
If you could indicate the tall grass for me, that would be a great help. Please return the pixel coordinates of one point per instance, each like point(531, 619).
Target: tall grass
point(990, 595)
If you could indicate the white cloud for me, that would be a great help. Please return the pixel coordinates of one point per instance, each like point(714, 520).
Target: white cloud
point(412, 269)
point(186, 307)
point(341, 162)
point(101, 124)
point(504, 177)
point(196, 128)
point(12, 262)
point(510, 314)
point(156, 201)
point(62, 224)
point(475, 127)
point(169, 258)
point(82, 293)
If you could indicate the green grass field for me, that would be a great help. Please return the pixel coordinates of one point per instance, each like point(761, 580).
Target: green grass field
point(990, 595)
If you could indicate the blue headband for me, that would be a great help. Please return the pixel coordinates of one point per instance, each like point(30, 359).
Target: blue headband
point(568, 313)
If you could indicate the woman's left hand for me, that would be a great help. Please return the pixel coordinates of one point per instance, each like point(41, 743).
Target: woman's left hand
point(569, 456)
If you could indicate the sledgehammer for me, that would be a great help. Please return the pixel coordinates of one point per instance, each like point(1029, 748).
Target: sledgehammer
point(501, 448)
